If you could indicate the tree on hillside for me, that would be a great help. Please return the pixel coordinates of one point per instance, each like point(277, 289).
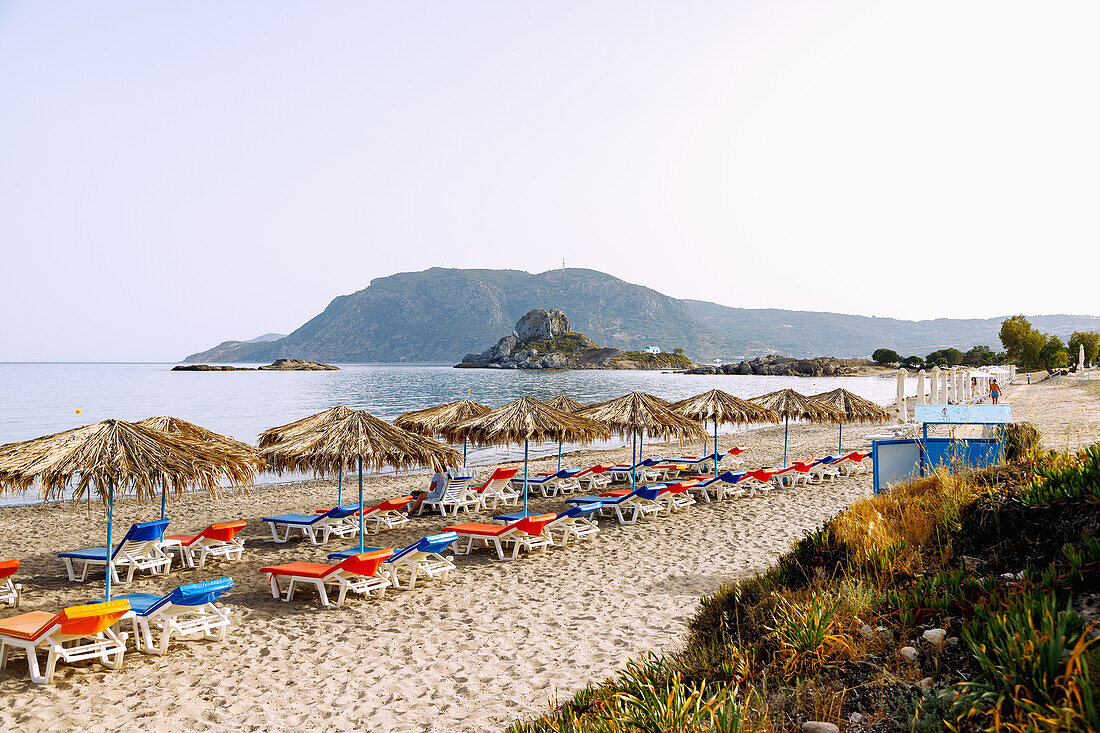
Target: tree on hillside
point(944, 357)
point(1053, 355)
point(980, 356)
point(1022, 342)
point(885, 356)
point(1091, 342)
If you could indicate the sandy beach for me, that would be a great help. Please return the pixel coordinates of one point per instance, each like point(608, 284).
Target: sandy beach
point(496, 643)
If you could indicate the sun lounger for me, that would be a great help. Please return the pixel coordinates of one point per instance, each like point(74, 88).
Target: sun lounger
point(10, 591)
point(716, 488)
point(824, 469)
point(386, 515)
point(498, 489)
point(852, 464)
point(189, 610)
point(138, 550)
point(76, 634)
point(453, 493)
point(762, 480)
point(641, 503)
point(796, 473)
point(642, 471)
point(217, 540)
point(523, 534)
point(593, 479)
point(549, 484)
point(576, 521)
point(677, 496)
point(360, 572)
point(333, 522)
point(421, 557)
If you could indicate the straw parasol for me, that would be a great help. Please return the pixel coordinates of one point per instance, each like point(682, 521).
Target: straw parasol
point(342, 438)
point(639, 412)
point(854, 408)
point(791, 405)
point(182, 428)
point(522, 421)
point(564, 403)
point(118, 457)
point(432, 420)
point(723, 408)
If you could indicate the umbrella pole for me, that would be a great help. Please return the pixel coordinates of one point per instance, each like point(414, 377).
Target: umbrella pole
point(525, 446)
point(716, 448)
point(786, 425)
point(360, 503)
point(840, 440)
point(110, 536)
point(464, 441)
point(633, 458)
point(559, 456)
point(163, 499)
point(340, 488)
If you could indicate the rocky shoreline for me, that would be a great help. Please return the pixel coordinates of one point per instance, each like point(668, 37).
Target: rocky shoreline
point(279, 365)
point(785, 366)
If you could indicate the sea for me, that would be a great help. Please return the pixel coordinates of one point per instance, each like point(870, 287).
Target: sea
point(42, 398)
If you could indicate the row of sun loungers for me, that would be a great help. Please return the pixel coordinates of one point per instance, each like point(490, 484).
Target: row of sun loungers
point(87, 632)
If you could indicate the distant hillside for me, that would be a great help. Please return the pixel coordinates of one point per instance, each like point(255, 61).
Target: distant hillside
point(438, 315)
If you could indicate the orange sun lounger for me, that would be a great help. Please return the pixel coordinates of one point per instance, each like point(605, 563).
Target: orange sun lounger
point(360, 573)
point(524, 534)
point(386, 515)
point(10, 591)
point(76, 634)
point(218, 540)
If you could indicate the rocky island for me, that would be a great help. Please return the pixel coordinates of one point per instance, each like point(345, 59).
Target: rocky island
point(542, 339)
point(279, 365)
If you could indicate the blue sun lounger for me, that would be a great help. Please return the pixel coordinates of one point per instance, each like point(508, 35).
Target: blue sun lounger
point(550, 484)
point(138, 550)
point(721, 486)
point(186, 611)
point(639, 470)
point(422, 556)
point(333, 522)
point(628, 508)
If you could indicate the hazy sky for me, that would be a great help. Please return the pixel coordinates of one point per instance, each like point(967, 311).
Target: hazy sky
point(176, 174)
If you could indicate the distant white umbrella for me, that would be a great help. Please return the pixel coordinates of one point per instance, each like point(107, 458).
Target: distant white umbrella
point(903, 409)
point(920, 387)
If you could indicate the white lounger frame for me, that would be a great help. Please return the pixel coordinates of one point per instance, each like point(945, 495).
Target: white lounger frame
point(343, 527)
point(172, 620)
point(107, 646)
point(205, 547)
point(144, 555)
point(457, 496)
point(519, 539)
point(577, 527)
point(11, 592)
point(431, 564)
point(341, 581)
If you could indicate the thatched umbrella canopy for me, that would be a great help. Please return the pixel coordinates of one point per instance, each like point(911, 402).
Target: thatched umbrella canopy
point(523, 421)
point(118, 457)
point(182, 428)
point(432, 420)
point(639, 412)
point(342, 438)
point(725, 409)
point(564, 403)
point(854, 408)
point(791, 405)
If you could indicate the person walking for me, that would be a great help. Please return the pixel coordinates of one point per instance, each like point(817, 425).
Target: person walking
point(994, 391)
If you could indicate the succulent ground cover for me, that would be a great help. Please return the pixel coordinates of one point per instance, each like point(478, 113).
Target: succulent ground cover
point(961, 601)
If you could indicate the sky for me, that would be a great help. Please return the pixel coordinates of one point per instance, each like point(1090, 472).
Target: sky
point(175, 174)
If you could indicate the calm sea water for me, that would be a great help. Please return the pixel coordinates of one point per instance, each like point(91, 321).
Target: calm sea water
point(38, 399)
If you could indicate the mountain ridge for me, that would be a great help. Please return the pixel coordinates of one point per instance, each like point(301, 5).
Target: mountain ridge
point(440, 314)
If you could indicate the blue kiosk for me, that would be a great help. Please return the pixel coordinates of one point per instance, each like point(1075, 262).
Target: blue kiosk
point(901, 459)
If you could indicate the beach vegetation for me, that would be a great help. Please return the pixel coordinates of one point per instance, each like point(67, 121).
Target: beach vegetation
point(980, 356)
point(945, 357)
point(913, 362)
point(1090, 340)
point(886, 356)
point(958, 601)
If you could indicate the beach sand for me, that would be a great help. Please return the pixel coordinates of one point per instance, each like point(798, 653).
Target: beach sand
point(496, 643)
